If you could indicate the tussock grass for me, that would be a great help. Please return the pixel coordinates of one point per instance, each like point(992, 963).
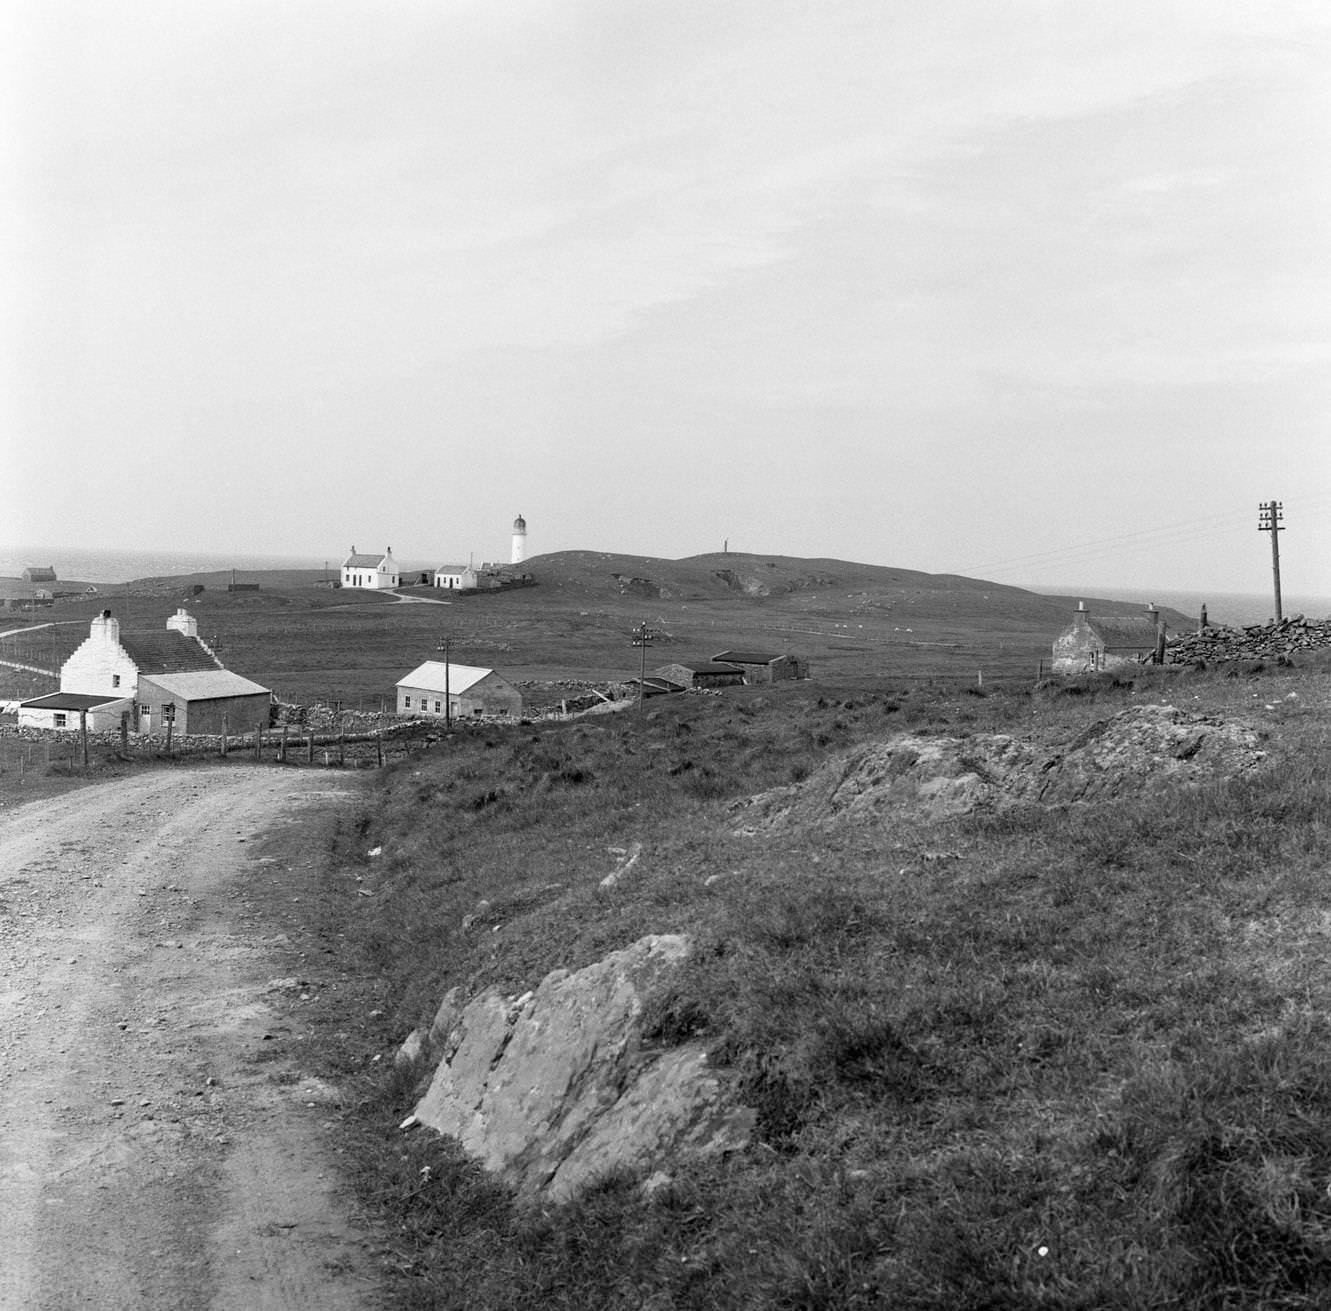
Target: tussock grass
point(1068, 1059)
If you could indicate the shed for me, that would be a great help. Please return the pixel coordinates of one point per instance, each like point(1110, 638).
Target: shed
point(703, 673)
point(764, 666)
point(440, 688)
point(202, 701)
point(64, 711)
point(39, 573)
point(1092, 643)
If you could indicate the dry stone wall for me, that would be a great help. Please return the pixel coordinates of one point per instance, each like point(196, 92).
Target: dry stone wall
point(1218, 643)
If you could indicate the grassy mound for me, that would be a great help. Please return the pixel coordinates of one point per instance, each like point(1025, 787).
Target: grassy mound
point(1070, 1058)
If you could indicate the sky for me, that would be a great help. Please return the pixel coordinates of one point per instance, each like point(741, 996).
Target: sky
point(1027, 290)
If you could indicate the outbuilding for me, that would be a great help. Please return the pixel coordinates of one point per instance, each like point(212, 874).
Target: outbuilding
point(440, 689)
point(764, 666)
point(704, 673)
point(67, 712)
point(202, 701)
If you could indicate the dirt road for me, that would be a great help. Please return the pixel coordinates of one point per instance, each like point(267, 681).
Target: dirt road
point(158, 1149)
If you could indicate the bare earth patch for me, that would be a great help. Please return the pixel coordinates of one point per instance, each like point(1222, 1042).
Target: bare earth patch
point(158, 1149)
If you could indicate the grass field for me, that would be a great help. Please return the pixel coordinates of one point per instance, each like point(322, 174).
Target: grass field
point(853, 622)
point(1070, 1059)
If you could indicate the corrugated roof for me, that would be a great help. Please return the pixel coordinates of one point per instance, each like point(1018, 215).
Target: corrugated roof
point(429, 677)
point(166, 652)
point(71, 701)
point(207, 685)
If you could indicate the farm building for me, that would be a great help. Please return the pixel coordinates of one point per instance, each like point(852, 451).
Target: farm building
point(367, 570)
point(763, 666)
point(202, 701)
point(145, 673)
point(461, 691)
point(1091, 643)
point(67, 710)
point(35, 573)
point(701, 674)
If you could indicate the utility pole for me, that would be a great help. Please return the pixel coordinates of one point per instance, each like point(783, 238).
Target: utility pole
point(642, 639)
point(1270, 513)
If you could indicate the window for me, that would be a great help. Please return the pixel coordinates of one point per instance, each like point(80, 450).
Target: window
point(61, 720)
point(406, 703)
point(115, 680)
point(437, 707)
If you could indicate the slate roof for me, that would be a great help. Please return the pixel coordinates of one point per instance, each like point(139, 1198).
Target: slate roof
point(1126, 632)
point(704, 667)
point(748, 657)
point(207, 685)
point(166, 652)
point(430, 677)
point(360, 560)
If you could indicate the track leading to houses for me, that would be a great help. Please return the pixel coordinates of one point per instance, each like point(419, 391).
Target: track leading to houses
point(155, 1152)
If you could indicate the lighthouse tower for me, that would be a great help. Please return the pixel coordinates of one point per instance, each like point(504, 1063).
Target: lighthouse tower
point(519, 540)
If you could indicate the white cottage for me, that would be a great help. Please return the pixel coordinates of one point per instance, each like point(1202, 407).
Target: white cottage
point(439, 688)
point(360, 569)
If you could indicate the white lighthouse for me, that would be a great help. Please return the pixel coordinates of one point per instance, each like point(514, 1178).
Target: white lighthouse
point(519, 540)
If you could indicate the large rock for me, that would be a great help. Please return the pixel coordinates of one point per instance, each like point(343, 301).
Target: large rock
point(553, 1089)
point(941, 777)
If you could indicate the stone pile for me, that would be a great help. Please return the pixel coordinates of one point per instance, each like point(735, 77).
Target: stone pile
point(1218, 643)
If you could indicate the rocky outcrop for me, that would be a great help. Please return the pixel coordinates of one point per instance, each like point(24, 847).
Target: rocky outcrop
point(555, 1088)
point(941, 777)
point(1218, 643)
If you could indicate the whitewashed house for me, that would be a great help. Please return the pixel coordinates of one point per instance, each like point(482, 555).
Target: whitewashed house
point(439, 688)
point(167, 675)
point(456, 577)
point(360, 569)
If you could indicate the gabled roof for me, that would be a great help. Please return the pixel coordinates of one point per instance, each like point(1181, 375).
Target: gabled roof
point(430, 677)
point(1133, 632)
point(454, 569)
point(749, 657)
point(166, 652)
point(70, 701)
point(360, 560)
point(207, 685)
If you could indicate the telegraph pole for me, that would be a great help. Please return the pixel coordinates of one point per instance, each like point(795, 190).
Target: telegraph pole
point(642, 638)
point(1270, 513)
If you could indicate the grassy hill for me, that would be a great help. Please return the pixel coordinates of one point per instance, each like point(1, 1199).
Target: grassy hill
point(852, 621)
point(1046, 1058)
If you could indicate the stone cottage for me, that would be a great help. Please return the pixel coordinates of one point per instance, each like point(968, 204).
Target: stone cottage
point(1092, 643)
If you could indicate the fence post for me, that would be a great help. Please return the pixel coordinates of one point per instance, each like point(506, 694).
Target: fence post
point(282, 749)
point(309, 756)
point(258, 741)
point(379, 745)
point(124, 732)
point(224, 728)
point(341, 745)
point(83, 733)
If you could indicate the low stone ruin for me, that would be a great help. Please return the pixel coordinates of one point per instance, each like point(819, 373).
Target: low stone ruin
point(1218, 643)
point(556, 1088)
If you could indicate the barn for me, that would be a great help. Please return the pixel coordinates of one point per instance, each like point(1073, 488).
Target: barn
point(1092, 643)
point(764, 666)
point(703, 673)
point(442, 689)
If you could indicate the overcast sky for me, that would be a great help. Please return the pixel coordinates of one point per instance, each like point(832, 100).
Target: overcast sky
point(1033, 291)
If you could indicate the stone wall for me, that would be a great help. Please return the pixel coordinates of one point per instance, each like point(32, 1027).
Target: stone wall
point(1218, 643)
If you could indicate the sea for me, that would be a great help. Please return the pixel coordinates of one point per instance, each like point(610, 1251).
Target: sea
point(1232, 608)
point(77, 564)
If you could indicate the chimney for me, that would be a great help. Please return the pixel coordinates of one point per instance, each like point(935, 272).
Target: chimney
point(105, 628)
point(183, 622)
